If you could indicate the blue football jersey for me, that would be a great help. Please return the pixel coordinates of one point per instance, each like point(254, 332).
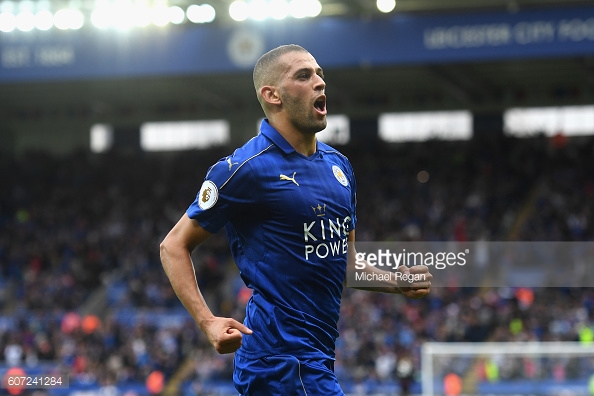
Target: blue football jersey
point(287, 217)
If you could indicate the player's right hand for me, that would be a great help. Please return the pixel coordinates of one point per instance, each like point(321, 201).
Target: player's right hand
point(225, 334)
point(416, 281)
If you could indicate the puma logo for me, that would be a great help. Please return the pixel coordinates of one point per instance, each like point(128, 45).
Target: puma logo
point(285, 177)
point(231, 163)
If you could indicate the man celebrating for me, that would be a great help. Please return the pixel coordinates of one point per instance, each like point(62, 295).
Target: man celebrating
point(287, 202)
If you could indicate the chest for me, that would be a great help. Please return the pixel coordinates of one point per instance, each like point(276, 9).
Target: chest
point(315, 196)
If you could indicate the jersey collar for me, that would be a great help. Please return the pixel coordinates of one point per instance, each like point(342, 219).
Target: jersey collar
point(267, 130)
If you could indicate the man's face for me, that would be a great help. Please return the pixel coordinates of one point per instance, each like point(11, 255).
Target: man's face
point(302, 90)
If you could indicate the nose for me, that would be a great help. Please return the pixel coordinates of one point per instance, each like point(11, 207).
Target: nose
point(319, 83)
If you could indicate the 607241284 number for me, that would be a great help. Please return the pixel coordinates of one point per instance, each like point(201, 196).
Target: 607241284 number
point(40, 381)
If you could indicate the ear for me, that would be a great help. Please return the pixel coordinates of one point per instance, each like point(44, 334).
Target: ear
point(270, 95)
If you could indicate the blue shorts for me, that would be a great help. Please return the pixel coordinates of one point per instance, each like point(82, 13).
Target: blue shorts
point(284, 375)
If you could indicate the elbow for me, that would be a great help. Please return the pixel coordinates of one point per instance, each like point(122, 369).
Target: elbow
point(171, 250)
point(163, 250)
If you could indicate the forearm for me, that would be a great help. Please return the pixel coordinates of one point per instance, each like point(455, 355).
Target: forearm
point(178, 266)
point(418, 284)
point(389, 287)
point(225, 334)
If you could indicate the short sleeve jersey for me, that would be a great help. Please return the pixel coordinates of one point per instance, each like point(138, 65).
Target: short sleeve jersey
point(287, 217)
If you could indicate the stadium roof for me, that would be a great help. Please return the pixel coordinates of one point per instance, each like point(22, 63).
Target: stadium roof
point(358, 91)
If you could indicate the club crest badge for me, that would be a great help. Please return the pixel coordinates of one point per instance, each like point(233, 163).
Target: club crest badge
point(208, 195)
point(339, 175)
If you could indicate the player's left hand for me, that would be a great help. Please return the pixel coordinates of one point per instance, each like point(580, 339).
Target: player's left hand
point(415, 282)
point(225, 334)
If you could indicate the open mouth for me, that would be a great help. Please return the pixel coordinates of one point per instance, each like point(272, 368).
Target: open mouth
point(320, 104)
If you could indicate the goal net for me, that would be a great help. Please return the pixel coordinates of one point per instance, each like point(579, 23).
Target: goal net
point(508, 368)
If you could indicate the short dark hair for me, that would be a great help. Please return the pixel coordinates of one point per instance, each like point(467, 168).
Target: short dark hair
point(265, 72)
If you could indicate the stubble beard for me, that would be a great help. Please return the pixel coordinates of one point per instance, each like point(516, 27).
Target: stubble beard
point(303, 117)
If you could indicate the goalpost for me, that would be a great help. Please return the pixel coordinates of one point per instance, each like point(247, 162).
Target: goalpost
point(526, 368)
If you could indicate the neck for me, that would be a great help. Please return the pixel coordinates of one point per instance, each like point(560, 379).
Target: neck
point(303, 142)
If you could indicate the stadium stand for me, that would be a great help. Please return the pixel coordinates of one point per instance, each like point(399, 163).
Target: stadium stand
point(83, 291)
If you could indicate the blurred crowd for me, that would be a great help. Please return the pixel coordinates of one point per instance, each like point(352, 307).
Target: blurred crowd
point(81, 284)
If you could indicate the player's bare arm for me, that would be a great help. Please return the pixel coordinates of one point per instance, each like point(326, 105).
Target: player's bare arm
point(225, 334)
point(415, 290)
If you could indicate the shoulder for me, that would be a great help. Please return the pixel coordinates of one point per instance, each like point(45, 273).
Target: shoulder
point(335, 156)
point(240, 162)
point(254, 148)
point(327, 149)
